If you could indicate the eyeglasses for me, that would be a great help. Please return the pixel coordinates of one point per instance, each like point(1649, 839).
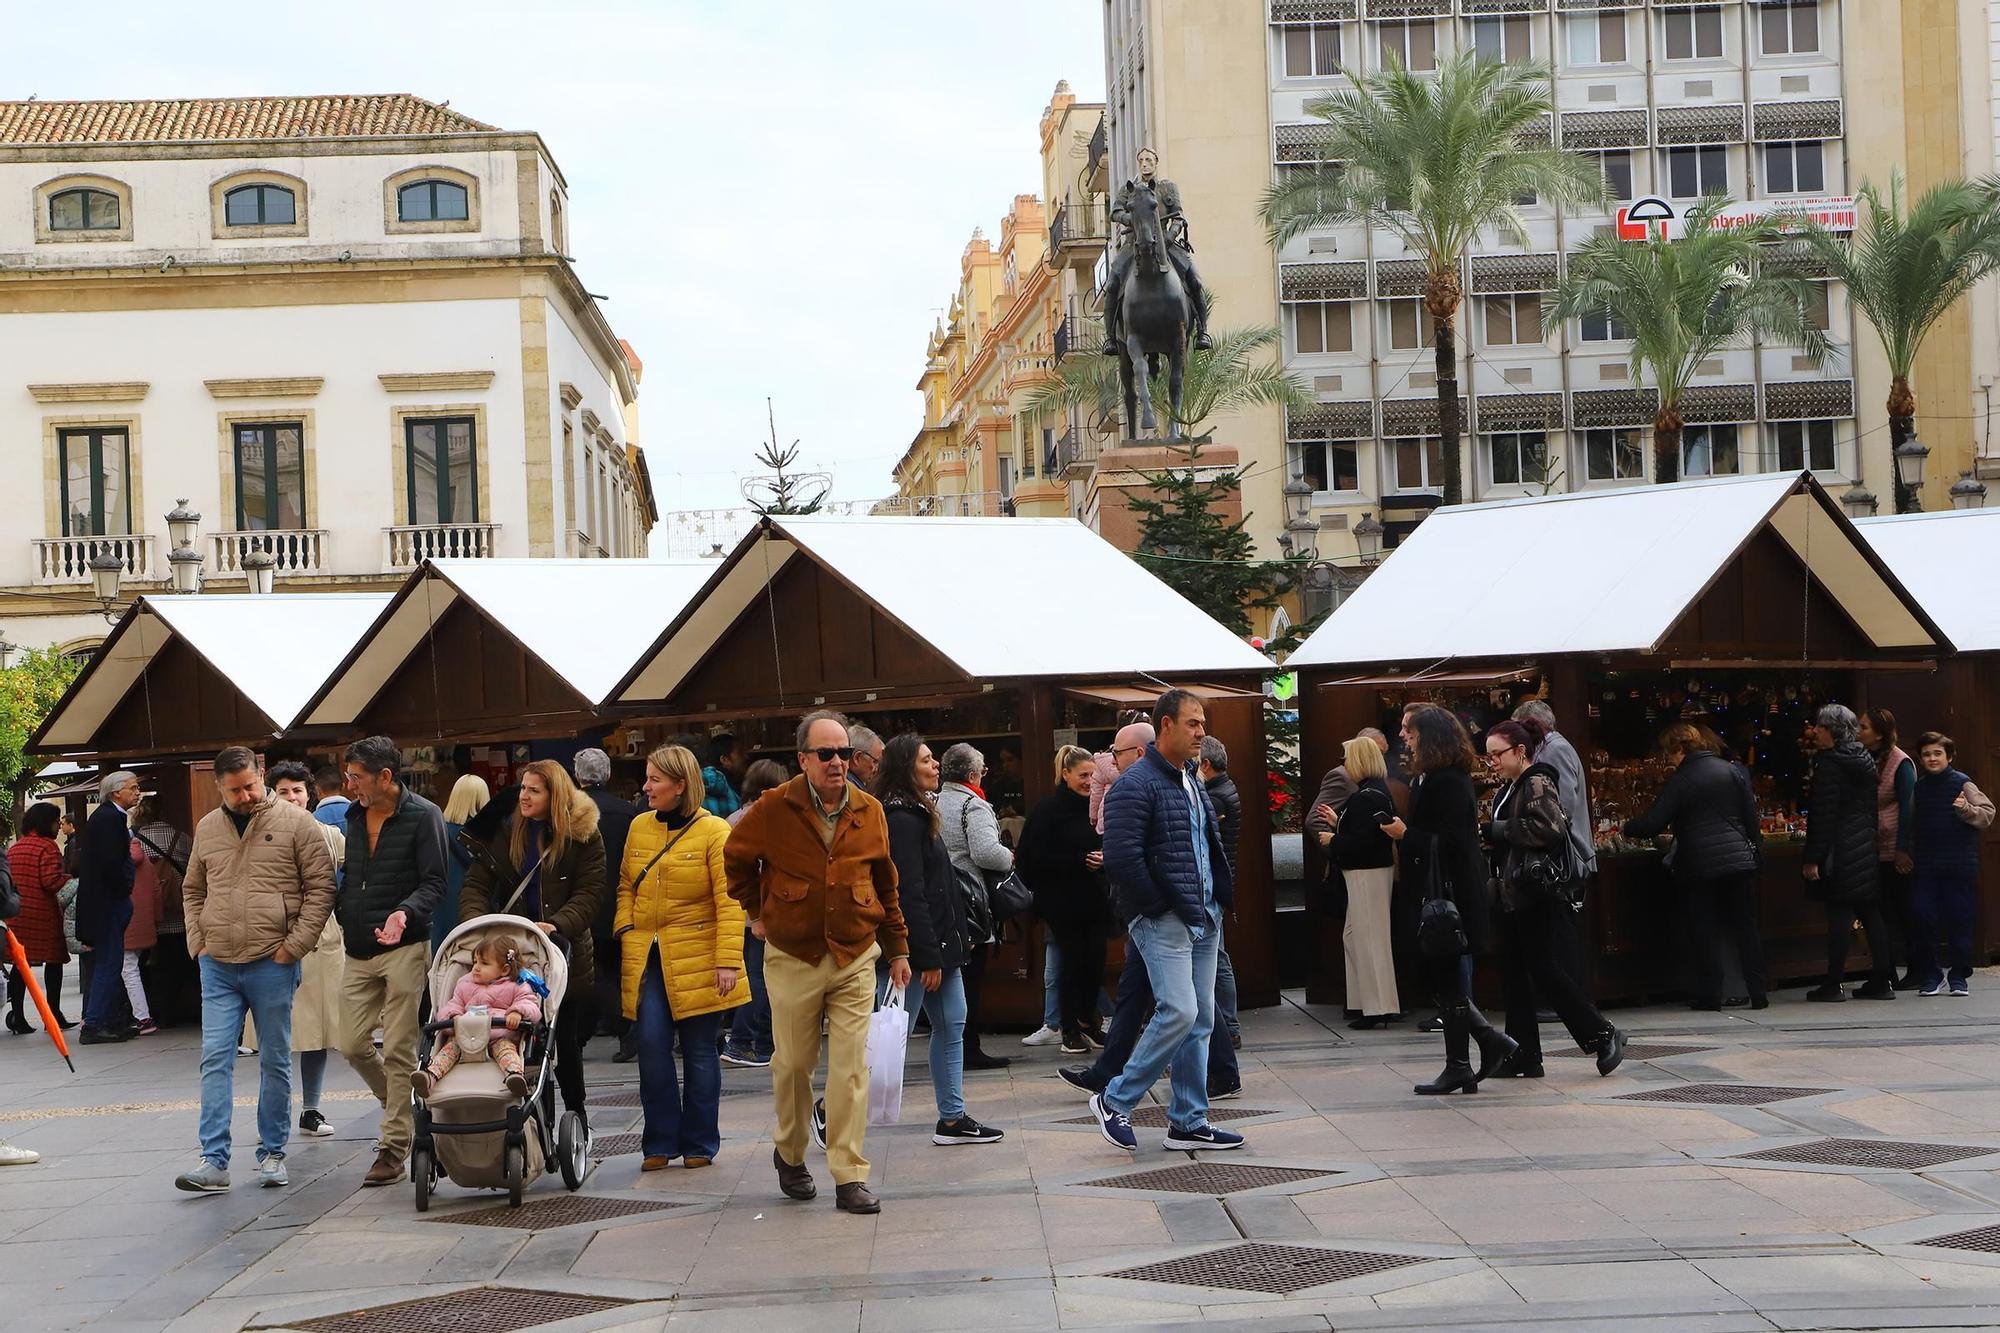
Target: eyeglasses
point(826, 754)
point(1494, 755)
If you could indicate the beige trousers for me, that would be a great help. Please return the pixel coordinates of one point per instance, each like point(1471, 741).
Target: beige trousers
point(1371, 963)
point(801, 993)
point(383, 991)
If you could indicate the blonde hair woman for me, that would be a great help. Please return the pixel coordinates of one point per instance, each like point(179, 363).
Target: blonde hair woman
point(1367, 860)
point(680, 940)
point(547, 857)
point(469, 795)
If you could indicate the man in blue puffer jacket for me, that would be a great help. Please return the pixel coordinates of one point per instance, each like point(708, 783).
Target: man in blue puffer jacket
point(1164, 853)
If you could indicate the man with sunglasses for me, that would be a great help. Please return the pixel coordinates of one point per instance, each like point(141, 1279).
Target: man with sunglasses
point(812, 870)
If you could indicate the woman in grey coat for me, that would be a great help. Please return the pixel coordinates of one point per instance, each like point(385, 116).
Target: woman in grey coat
point(972, 836)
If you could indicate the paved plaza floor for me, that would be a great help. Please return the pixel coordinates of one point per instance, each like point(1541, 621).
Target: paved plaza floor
point(1805, 1167)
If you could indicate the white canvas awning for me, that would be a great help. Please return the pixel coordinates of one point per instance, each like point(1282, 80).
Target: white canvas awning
point(274, 650)
point(1950, 562)
point(1599, 572)
point(587, 621)
point(997, 598)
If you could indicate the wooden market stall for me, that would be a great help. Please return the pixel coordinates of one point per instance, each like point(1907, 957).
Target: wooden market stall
point(1015, 635)
point(1742, 602)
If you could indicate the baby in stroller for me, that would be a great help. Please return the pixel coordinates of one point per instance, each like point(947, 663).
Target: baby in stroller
point(494, 983)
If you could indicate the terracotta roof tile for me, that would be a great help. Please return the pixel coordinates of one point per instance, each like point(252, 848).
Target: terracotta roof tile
point(199, 119)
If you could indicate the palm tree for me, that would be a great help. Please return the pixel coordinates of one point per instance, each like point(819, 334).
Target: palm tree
point(1234, 375)
point(1434, 159)
point(1685, 299)
point(1905, 267)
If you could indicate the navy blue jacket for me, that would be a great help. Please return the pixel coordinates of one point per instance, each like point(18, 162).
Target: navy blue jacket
point(1148, 850)
point(1945, 845)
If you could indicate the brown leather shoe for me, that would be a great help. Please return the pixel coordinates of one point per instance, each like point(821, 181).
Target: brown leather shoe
point(696, 1163)
point(656, 1163)
point(856, 1198)
point(795, 1181)
point(388, 1169)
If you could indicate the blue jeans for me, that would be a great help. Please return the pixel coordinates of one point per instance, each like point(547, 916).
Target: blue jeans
point(681, 1121)
point(1181, 970)
point(750, 1029)
point(107, 968)
point(312, 1079)
point(229, 990)
point(1225, 992)
point(1128, 1018)
point(1051, 978)
point(946, 1006)
point(1943, 903)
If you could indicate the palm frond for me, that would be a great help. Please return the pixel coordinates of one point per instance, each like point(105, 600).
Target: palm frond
point(1240, 371)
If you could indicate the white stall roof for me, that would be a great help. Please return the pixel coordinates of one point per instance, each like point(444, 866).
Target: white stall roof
point(587, 621)
point(240, 636)
point(1950, 562)
point(1610, 571)
point(1000, 598)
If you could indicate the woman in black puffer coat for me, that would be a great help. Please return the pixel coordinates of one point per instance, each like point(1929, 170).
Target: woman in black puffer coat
point(1712, 810)
point(1840, 866)
point(1061, 859)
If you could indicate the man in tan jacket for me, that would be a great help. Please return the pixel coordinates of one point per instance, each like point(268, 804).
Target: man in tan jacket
point(258, 891)
point(810, 864)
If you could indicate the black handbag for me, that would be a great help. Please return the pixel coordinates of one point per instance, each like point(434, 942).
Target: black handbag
point(1006, 895)
point(1333, 887)
point(1440, 928)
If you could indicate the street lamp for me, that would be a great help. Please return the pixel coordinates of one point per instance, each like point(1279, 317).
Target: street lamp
point(183, 561)
point(105, 570)
point(1298, 503)
point(182, 524)
point(1860, 502)
point(1967, 493)
point(1368, 539)
point(260, 568)
point(1910, 456)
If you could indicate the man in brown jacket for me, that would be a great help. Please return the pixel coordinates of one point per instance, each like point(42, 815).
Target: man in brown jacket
point(810, 864)
point(258, 891)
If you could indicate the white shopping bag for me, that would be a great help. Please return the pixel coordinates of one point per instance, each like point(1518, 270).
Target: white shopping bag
point(888, 1036)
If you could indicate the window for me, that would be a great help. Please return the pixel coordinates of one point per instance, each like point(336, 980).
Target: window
point(83, 210)
point(1411, 42)
point(1613, 455)
point(1819, 306)
point(1804, 445)
point(1693, 34)
point(1512, 320)
point(1794, 168)
point(1416, 464)
point(1695, 172)
point(1709, 451)
point(1312, 50)
point(1789, 29)
point(432, 201)
point(558, 234)
point(1518, 458)
point(1406, 318)
point(1597, 39)
point(1049, 459)
point(1603, 327)
point(96, 468)
point(1502, 39)
point(259, 206)
point(1321, 326)
point(270, 476)
point(1327, 465)
point(443, 470)
point(1617, 168)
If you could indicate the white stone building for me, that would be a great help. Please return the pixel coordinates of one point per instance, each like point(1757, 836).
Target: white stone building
point(345, 329)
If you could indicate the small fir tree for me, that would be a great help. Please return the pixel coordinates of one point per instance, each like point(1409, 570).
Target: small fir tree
point(784, 490)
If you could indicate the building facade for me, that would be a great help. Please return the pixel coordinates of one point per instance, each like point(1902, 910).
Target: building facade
point(1755, 99)
point(345, 330)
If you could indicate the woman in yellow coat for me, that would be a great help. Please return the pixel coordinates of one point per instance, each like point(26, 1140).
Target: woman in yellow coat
point(680, 939)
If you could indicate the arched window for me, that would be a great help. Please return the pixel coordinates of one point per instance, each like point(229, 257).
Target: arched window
point(260, 206)
point(558, 234)
point(432, 201)
point(84, 209)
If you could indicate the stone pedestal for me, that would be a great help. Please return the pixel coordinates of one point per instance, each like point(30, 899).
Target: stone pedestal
point(1121, 473)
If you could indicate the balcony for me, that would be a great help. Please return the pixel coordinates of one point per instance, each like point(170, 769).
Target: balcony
point(1077, 234)
point(1077, 335)
point(1094, 160)
point(60, 560)
point(298, 551)
point(1076, 454)
point(978, 504)
point(406, 547)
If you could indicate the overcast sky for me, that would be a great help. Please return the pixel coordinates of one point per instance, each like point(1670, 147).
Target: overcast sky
point(774, 196)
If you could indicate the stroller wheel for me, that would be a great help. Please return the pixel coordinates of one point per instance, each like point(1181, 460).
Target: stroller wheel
point(571, 1145)
point(517, 1174)
point(420, 1176)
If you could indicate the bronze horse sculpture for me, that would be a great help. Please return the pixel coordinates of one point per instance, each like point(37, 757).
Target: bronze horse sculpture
point(1158, 317)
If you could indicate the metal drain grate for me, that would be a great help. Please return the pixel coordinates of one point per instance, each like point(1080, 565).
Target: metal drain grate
point(1155, 1117)
point(490, 1309)
point(564, 1211)
point(1279, 1270)
point(1986, 1239)
point(1640, 1050)
point(1891, 1154)
point(1212, 1178)
point(631, 1099)
point(1720, 1094)
point(614, 1145)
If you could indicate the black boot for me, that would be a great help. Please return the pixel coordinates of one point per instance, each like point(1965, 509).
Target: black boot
point(1457, 1075)
point(1610, 1049)
point(1495, 1046)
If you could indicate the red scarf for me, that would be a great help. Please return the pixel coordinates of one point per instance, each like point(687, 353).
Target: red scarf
point(973, 787)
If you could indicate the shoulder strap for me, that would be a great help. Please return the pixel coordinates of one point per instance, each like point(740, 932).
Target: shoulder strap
point(161, 852)
point(679, 833)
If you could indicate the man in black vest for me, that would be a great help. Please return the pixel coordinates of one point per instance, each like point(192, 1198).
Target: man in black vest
point(394, 880)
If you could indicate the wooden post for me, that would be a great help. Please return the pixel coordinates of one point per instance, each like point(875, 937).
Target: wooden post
point(1238, 722)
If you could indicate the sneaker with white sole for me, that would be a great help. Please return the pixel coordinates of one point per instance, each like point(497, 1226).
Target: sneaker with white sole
point(1959, 990)
point(1042, 1036)
point(1115, 1126)
point(315, 1124)
point(271, 1173)
point(1932, 989)
point(206, 1178)
point(13, 1156)
point(1075, 1047)
point(818, 1123)
point(965, 1129)
point(1203, 1138)
point(745, 1059)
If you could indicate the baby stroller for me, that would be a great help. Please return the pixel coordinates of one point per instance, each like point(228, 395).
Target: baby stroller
point(471, 1130)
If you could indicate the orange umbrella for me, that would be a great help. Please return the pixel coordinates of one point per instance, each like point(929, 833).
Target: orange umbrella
point(49, 1024)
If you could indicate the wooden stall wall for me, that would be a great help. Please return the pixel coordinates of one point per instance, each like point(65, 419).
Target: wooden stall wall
point(1329, 716)
point(1252, 930)
point(180, 705)
point(469, 679)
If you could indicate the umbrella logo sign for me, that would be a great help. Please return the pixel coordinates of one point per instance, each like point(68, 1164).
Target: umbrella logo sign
point(1653, 218)
point(1645, 219)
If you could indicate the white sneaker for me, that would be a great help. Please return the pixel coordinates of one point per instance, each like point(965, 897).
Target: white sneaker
point(12, 1156)
point(1042, 1036)
point(271, 1173)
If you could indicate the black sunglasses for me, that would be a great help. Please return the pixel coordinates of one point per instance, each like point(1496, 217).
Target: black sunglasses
point(828, 753)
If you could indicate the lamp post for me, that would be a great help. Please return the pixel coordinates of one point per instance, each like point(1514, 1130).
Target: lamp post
point(105, 571)
point(1298, 503)
point(183, 561)
point(1368, 539)
point(1968, 492)
point(1859, 502)
point(260, 568)
point(1909, 457)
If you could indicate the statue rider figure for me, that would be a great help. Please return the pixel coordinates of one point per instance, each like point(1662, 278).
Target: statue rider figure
point(1179, 251)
